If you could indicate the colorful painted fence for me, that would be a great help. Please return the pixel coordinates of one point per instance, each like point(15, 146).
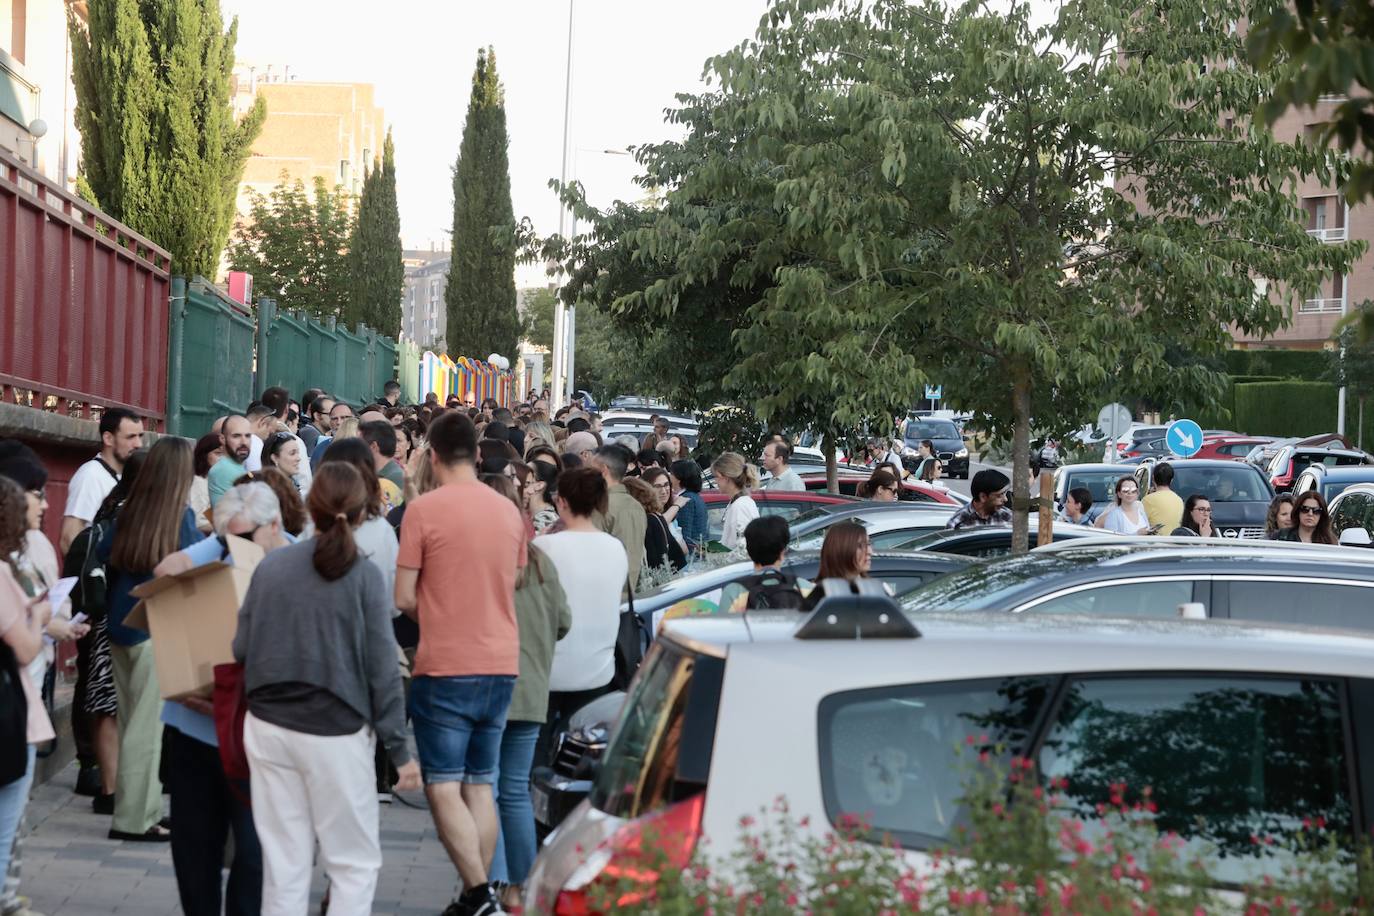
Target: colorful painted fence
point(442, 377)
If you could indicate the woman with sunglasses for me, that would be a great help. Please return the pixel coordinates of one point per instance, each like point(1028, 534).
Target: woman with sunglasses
point(1197, 518)
point(1311, 522)
point(881, 487)
point(1128, 515)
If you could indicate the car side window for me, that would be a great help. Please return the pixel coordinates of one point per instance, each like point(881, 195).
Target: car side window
point(1318, 604)
point(1226, 759)
point(891, 539)
point(788, 511)
point(898, 757)
point(904, 582)
point(1127, 599)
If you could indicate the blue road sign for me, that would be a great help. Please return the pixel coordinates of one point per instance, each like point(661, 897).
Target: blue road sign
point(934, 392)
point(1184, 438)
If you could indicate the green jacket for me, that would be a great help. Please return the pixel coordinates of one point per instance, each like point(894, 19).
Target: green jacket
point(541, 610)
point(625, 520)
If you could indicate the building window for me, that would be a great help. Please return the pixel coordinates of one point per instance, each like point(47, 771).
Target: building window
point(1320, 215)
point(14, 28)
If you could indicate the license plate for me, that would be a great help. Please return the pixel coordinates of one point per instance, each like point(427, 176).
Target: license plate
point(539, 797)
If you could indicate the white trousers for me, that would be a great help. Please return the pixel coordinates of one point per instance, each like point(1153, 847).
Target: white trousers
point(308, 788)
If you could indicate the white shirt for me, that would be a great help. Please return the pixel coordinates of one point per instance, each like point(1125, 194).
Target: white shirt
point(741, 511)
point(90, 485)
point(592, 567)
point(254, 462)
point(376, 540)
point(1119, 522)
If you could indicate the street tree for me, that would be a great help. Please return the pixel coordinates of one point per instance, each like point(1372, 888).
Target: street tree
point(375, 261)
point(1028, 213)
point(161, 149)
point(295, 246)
point(480, 297)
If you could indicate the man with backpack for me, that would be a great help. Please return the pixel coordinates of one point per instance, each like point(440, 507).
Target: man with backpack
point(121, 434)
point(769, 588)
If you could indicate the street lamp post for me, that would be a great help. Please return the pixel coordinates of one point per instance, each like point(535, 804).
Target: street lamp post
point(559, 394)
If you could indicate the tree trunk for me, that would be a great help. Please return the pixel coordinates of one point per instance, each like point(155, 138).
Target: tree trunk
point(832, 476)
point(1020, 465)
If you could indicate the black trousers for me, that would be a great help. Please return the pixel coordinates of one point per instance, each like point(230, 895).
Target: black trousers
point(562, 705)
point(83, 723)
point(204, 809)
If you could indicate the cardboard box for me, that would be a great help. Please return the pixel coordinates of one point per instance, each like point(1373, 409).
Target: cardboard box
point(192, 618)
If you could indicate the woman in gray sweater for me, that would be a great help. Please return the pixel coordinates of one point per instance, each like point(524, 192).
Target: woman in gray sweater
point(321, 674)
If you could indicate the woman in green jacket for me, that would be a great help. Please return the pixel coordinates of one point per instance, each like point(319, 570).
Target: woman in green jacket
point(542, 612)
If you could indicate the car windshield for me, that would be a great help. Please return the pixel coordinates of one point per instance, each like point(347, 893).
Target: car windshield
point(984, 586)
point(1101, 484)
point(1236, 484)
point(917, 430)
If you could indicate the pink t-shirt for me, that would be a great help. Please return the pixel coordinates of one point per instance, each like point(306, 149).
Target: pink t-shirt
point(14, 612)
point(468, 542)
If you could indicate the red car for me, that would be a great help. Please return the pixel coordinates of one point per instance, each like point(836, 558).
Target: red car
point(912, 490)
point(788, 504)
point(1233, 448)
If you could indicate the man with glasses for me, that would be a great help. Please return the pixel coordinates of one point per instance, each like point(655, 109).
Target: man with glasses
point(989, 506)
point(337, 414)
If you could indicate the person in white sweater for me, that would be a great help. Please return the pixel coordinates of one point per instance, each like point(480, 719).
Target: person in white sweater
point(592, 567)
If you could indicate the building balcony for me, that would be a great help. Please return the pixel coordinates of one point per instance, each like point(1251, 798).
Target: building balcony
point(1316, 306)
point(1330, 235)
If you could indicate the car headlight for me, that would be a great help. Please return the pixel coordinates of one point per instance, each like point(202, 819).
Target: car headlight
point(909, 452)
point(962, 453)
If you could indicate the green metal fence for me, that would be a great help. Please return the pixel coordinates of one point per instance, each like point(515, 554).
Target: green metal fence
point(408, 370)
point(216, 340)
point(210, 363)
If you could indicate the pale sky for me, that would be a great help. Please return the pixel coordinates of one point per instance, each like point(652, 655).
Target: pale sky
point(629, 58)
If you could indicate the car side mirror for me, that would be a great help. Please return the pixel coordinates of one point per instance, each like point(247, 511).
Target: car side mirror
point(1355, 537)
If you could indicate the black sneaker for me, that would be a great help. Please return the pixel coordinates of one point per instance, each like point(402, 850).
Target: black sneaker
point(88, 781)
point(103, 804)
point(479, 901)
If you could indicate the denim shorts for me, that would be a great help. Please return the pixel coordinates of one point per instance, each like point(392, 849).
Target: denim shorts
point(458, 724)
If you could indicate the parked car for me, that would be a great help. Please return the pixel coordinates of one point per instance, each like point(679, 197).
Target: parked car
point(1229, 447)
point(788, 504)
point(1352, 508)
point(1148, 448)
point(988, 540)
point(560, 786)
point(1239, 729)
point(1331, 481)
point(1153, 577)
point(1239, 494)
point(1290, 461)
point(887, 523)
point(612, 430)
point(1099, 479)
point(951, 446)
point(851, 477)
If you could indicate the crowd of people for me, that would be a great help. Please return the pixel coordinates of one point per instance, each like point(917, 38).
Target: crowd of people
point(454, 571)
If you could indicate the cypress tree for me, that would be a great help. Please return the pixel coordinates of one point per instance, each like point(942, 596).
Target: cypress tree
point(480, 299)
point(161, 150)
point(376, 271)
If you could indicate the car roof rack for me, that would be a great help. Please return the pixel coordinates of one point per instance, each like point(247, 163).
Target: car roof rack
point(856, 616)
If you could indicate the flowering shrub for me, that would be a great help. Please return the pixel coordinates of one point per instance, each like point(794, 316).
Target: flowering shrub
point(1016, 854)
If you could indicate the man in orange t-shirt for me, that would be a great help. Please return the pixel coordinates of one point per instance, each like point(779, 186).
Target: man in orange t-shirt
point(462, 545)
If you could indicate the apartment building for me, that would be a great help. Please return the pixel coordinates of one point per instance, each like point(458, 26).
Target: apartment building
point(37, 101)
point(423, 315)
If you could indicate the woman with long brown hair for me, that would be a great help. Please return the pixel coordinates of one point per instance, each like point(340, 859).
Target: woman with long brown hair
point(845, 554)
point(319, 680)
point(1311, 522)
point(154, 521)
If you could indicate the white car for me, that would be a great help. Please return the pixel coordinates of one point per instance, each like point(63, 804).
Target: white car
point(1241, 730)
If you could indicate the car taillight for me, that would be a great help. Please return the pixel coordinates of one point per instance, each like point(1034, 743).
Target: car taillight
point(630, 860)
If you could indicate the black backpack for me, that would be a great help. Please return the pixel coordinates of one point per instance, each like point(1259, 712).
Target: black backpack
point(772, 590)
point(83, 562)
point(14, 717)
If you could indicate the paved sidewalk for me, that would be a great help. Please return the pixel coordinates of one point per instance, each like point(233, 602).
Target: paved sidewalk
point(72, 869)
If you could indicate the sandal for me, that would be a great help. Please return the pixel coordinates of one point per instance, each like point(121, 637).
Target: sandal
point(155, 834)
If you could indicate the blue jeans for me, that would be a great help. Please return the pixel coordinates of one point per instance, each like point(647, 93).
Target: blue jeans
point(14, 798)
point(516, 846)
point(458, 724)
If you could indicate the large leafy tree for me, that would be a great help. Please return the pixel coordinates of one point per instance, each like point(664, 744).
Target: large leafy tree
point(295, 246)
point(375, 261)
point(480, 297)
point(1029, 214)
point(161, 150)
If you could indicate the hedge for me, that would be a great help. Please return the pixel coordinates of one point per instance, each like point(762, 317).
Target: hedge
point(1223, 415)
point(1307, 365)
point(1284, 408)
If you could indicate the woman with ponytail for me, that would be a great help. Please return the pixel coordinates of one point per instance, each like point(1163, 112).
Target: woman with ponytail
point(321, 678)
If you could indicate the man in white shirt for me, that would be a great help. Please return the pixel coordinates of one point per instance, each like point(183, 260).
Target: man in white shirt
point(775, 458)
point(263, 424)
point(121, 434)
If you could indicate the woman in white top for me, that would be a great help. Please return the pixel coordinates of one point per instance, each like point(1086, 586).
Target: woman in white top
point(1128, 515)
point(209, 449)
point(375, 537)
point(736, 478)
point(592, 567)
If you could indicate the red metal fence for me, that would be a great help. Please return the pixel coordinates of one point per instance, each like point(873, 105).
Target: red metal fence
point(83, 304)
